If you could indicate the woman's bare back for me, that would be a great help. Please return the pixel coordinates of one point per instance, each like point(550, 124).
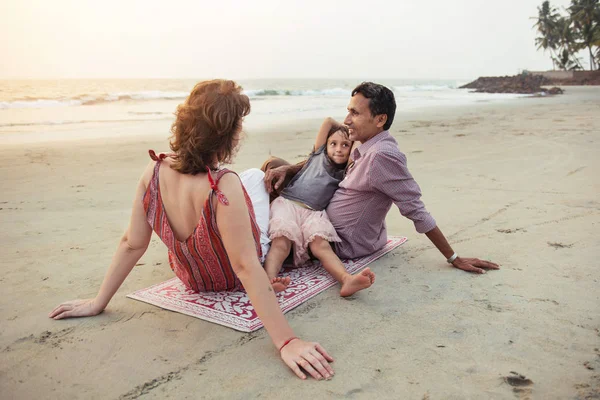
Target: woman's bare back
point(183, 197)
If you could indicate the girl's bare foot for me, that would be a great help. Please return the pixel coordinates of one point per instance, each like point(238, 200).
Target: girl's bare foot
point(354, 283)
point(280, 284)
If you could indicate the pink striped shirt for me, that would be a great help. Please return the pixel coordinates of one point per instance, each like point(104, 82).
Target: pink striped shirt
point(378, 178)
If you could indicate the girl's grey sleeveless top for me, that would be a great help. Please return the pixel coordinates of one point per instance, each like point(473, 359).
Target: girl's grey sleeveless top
point(316, 182)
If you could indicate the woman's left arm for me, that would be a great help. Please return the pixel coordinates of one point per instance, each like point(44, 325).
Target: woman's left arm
point(131, 248)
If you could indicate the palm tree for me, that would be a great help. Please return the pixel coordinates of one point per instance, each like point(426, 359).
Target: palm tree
point(585, 15)
point(596, 39)
point(566, 43)
point(566, 61)
point(546, 26)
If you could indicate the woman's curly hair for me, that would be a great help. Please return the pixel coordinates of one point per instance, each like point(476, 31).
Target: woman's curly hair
point(206, 124)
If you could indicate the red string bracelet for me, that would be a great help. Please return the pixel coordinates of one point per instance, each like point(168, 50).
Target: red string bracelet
point(287, 342)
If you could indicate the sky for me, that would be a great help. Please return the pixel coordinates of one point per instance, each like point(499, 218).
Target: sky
point(433, 39)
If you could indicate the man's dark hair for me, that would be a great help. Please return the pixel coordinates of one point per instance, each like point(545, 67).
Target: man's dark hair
point(381, 100)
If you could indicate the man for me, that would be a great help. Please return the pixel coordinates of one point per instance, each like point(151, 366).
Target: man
point(376, 178)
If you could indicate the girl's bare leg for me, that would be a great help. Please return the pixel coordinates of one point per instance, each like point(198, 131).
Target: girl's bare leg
point(280, 248)
point(332, 264)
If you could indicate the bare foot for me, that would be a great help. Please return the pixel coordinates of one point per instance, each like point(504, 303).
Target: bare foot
point(280, 284)
point(354, 283)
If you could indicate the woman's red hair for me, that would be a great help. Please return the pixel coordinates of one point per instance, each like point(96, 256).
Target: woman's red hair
point(206, 125)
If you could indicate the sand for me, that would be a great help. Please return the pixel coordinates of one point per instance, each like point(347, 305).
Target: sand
point(516, 183)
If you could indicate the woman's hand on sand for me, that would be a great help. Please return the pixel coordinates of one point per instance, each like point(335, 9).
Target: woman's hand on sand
point(308, 356)
point(474, 265)
point(76, 308)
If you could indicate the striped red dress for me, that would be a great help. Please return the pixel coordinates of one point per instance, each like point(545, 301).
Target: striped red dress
point(200, 261)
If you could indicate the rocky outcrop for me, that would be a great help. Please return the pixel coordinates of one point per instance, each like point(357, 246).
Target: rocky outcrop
point(555, 90)
point(523, 84)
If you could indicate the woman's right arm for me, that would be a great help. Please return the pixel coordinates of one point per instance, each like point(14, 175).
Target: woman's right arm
point(234, 225)
point(131, 248)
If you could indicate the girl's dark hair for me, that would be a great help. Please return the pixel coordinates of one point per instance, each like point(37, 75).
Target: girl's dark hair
point(342, 128)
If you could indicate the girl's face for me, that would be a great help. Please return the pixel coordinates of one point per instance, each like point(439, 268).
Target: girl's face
point(338, 148)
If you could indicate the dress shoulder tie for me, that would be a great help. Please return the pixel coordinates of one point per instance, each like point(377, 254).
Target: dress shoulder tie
point(155, 157)
point(214, 186)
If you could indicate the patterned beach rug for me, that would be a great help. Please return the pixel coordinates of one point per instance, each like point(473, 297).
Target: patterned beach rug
point(233, 309)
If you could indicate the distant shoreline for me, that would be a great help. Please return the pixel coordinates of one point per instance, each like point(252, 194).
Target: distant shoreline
point(534, 82)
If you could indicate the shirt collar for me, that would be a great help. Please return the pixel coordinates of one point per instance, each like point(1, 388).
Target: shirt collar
point(364, 147)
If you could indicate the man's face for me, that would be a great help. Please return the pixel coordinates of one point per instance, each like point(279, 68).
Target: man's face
point(363, 126)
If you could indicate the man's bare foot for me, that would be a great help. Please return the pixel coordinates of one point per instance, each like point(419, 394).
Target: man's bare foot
point(280, 284)
point(354, 283)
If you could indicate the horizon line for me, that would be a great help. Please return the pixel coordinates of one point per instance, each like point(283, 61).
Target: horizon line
point(234, 79)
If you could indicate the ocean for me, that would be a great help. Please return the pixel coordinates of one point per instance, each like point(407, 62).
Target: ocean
point(41, 110)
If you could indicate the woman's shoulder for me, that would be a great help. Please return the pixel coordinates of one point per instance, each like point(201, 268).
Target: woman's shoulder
point(228, 181)
point(150, 167)
point(148, 173)
point(230, 189)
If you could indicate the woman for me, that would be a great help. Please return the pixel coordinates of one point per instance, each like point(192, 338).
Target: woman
point(205, 218)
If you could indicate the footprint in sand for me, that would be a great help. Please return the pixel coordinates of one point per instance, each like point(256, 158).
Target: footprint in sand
point(558, 245)
point(520, 384)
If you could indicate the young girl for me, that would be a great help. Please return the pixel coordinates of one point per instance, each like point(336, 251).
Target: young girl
point(298, 217)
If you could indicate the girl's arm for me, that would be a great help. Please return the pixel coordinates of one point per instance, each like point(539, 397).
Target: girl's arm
point(323, 131)
point(132, 246)
point(275, 177)
point(234, 225)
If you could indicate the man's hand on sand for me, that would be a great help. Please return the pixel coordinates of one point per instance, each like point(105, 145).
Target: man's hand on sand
point(274, 178)
point(474, 265)
point(308, 356)
point(76, 308)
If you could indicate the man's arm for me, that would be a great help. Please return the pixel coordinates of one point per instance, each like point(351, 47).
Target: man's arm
point(390, 175)
point(275, 177)
point(466, 264)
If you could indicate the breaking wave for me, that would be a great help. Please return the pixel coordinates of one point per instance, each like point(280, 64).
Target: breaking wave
point(153, 95)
